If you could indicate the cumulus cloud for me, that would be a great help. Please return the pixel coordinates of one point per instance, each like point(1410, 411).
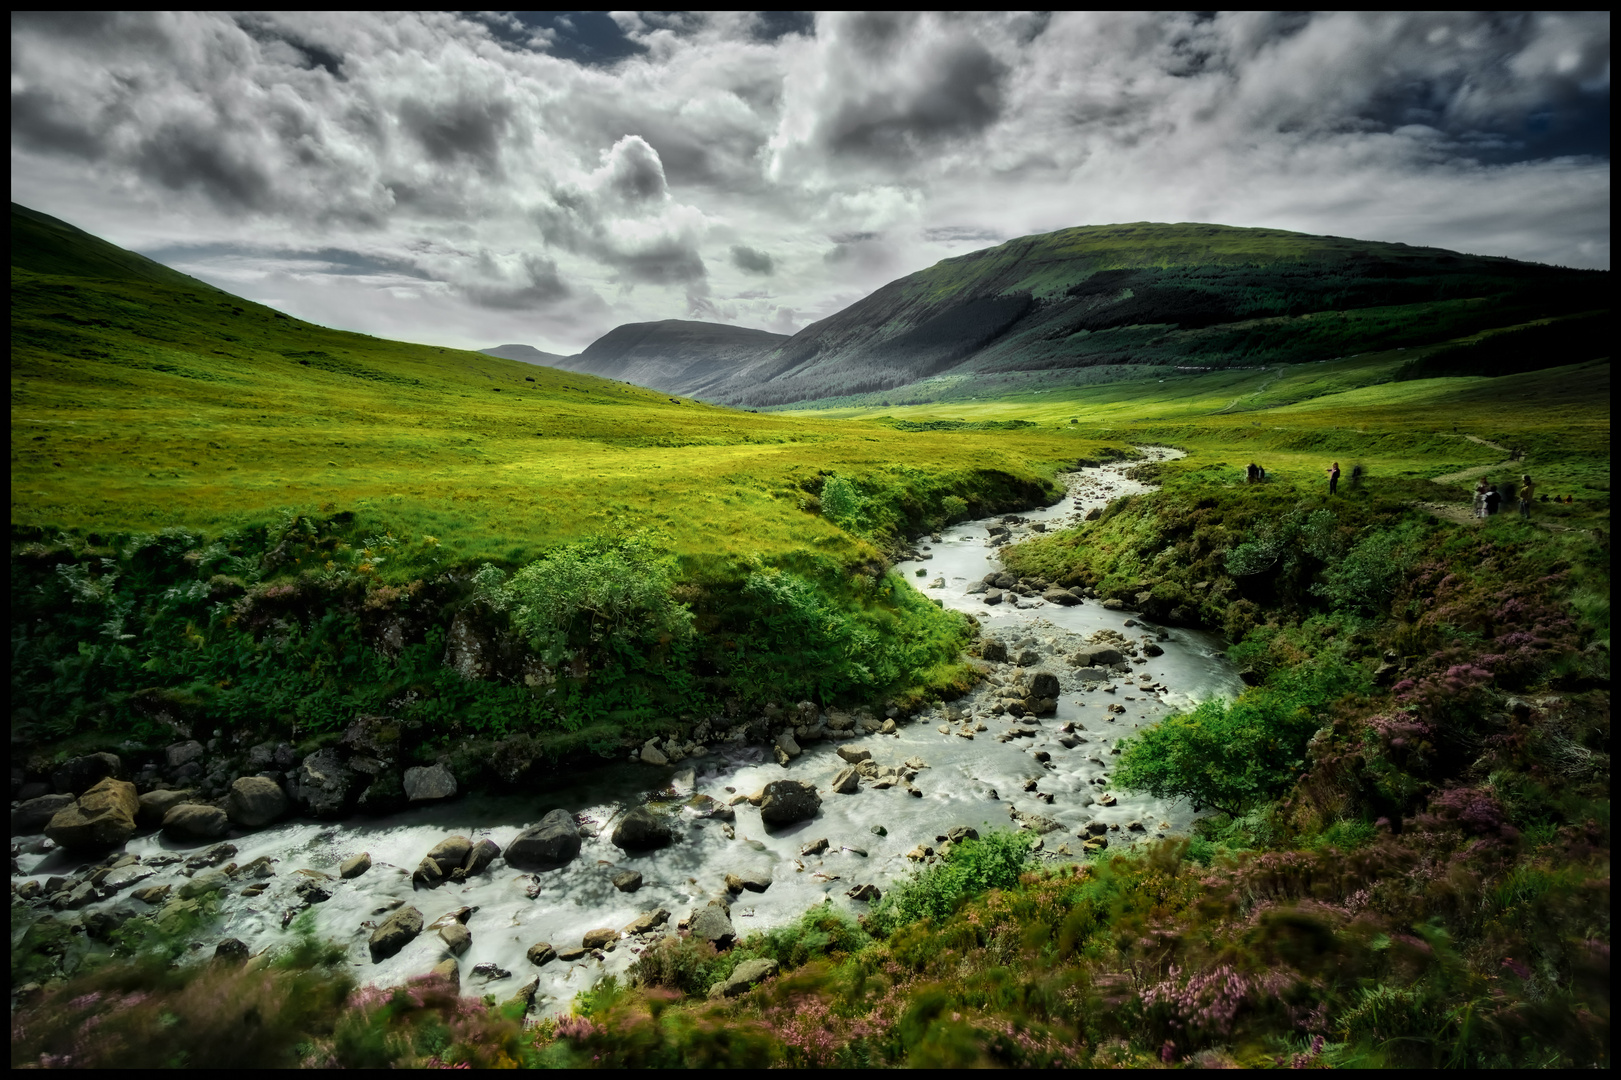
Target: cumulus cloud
point(540, 177)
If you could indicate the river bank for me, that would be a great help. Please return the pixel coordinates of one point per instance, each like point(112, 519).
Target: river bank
point(980, 762)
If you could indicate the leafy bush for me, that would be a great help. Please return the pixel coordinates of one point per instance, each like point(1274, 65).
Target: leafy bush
point(1367, 578)
point(1234, 755)
point(606, 594)
point(992, 862)
point(843, 504)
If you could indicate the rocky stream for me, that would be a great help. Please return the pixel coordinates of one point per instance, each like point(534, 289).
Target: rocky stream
point(539, 895)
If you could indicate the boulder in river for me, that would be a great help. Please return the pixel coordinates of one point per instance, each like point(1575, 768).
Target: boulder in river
point(993, 651)
point(102, 817)
point(457, 938)
point(355, 865)
point(394, 933)
point(784, 802)
point(195, 821)
point(449, 853)
point(427, 783)
point(449, 971)
point(788, 745)
point(847, 782)
point(628, 881)
point(596, 939)
point(481, 856)
point(541, 953)
point(1101, 656)
point(992, 596)
point(1064, 597)
point(554, 842)
point(642, 830)
point(854, 754)
point(712, 923)
point(648, 921)
point(255, 802)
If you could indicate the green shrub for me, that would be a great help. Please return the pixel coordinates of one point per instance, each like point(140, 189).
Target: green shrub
point(1234, 755)
point(992, 862)
point(606, 594)
point(843, 504)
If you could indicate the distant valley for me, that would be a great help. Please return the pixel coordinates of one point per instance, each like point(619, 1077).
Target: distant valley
point(1055, 306)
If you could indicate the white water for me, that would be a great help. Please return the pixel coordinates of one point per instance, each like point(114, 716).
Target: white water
point(568, 902)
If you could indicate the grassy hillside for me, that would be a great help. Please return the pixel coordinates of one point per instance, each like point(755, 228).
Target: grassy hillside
point(1187, 294)
point(144, 402)
point(191, 472)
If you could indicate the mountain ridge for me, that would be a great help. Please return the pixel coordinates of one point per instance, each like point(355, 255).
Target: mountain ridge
point(1139, 293)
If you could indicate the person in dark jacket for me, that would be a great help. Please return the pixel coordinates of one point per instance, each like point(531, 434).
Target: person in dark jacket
point(1333, 478)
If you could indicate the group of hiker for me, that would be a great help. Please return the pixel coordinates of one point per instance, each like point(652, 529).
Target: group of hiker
point(1488, 499)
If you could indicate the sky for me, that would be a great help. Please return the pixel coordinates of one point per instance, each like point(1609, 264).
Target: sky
point(539, 178)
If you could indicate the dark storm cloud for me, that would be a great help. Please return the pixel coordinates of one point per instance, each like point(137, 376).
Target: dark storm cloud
point(751, 261)
point(544, 286)
point(465, 127)
point(956, 91)
point(186, 156)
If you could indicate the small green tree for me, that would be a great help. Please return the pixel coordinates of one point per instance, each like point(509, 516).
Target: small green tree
point(605, 594)
point(842, 503)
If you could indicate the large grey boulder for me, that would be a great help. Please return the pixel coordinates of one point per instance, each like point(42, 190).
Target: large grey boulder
point(395, 933)
point(787, 801)
point(33, 815)
point(482, 855)
point(449, 854)
point(554, 842)
point(102, 817)
point(255, 802)
point(745, 976)
point(712, 924)
point(1097, 656)
point(456, 937)
point(1043, 684)
point(847, 782)
point(647, 921)
point(1064, 597)
point(195, 821)
point(321, 785)
point(788, 744)
point(430, 782)
point(642, 830)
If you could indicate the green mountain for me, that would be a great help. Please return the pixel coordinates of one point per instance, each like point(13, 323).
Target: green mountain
point(526, 354)
point(41, 244)
point(676, 355)
point(1194, 295)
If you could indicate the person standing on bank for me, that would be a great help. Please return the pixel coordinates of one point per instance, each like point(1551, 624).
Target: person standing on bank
point(1333, 478)
point(1528, 491)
